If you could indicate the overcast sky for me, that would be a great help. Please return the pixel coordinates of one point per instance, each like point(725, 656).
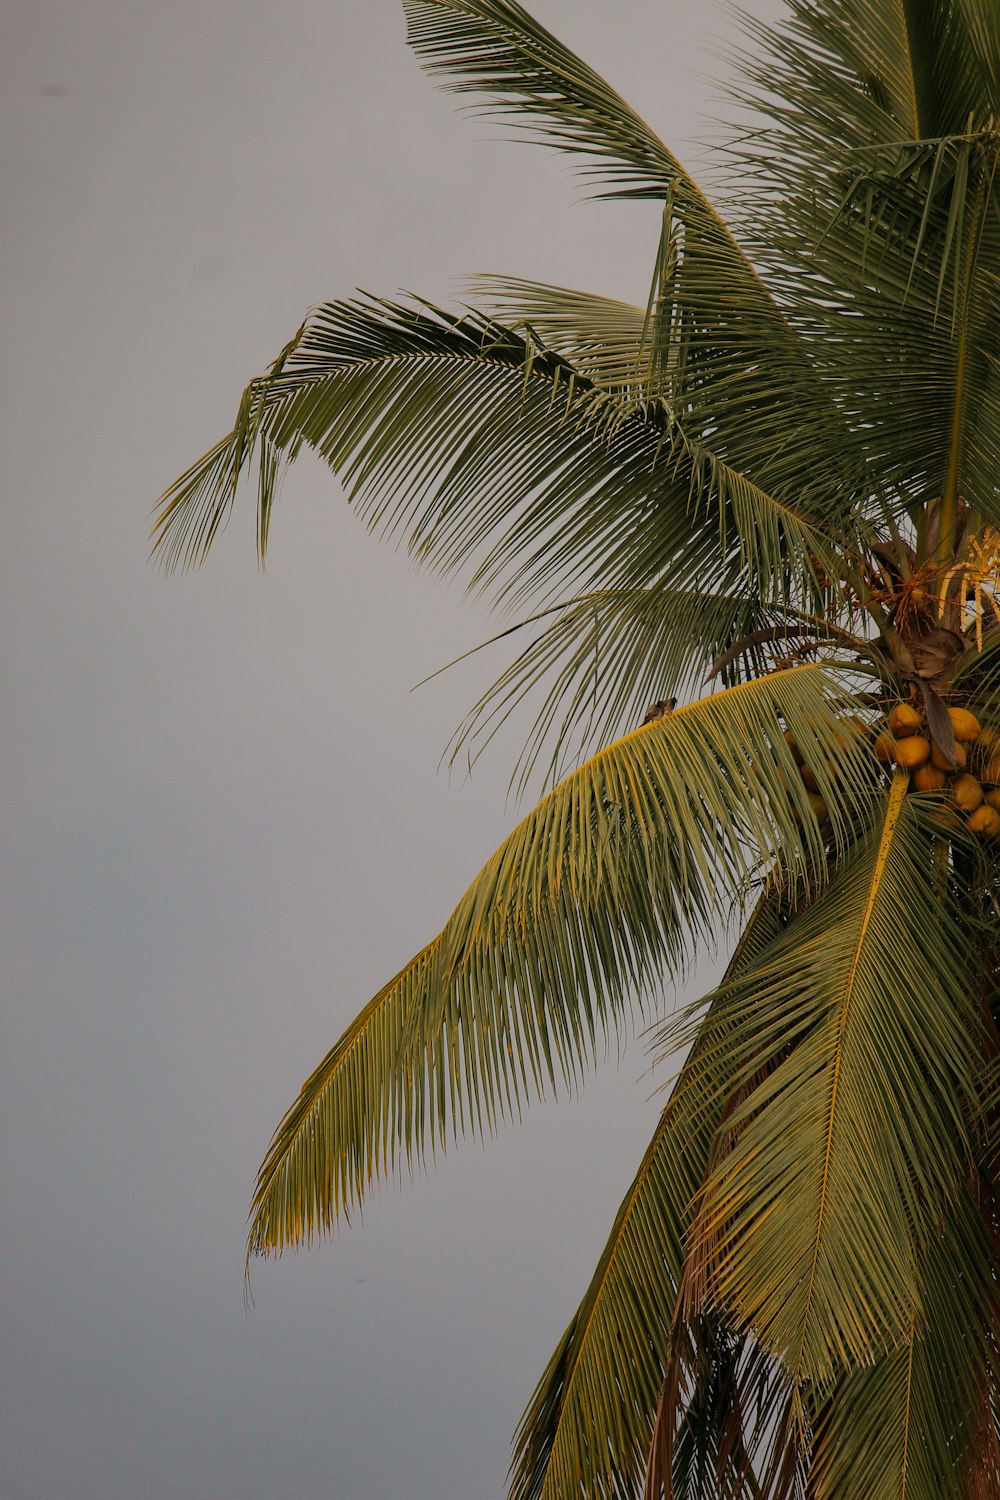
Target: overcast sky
point(225, 826)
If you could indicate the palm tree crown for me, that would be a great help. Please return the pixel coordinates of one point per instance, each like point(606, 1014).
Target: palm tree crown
point(779, 481)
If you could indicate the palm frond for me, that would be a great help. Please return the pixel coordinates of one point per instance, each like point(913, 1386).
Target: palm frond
point(609, 655)
point(496, 47)
point(602, 337)
point(853, 74)
point(589, 1422)
point(867, 65)
point(854, 1147)
point(874, 218)
point(480, 448)
point(909, 1425)
point(604, 657)
point(593, 900)
point(719, 326)
point(982, 22)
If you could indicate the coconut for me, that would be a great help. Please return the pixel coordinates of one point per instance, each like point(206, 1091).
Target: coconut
point(928, 778)
point(809, 779)
point(939, 759)
point(993, 799)
point(760, 773)
point(984, 819)
point(989, 740)
point(991, 770)
point(885, 748)
point(819, 808)
point(965, 725)
point(944, 818)
point(966, 793)
point(912, 751)
point(904, 720)
point(849, 729)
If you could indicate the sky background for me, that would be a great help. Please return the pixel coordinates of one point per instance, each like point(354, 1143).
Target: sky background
point(225, 824)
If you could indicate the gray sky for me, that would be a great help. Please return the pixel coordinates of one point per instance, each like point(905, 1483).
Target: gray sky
point(225, 826)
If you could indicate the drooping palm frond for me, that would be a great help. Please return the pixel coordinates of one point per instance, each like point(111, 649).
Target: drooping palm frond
point(843, 1162)
point(588, 1425)
point(909, 1425)
point(593, 899)
point(496, 47)
point(876, 222)
point(603, 338)
point(478, 447)
point(605, 657)
point(608, 655)
point(738, 368)
point(733, 1405)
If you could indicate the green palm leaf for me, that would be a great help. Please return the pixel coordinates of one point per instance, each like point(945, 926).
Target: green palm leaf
point(605, 657)
point(718, 325)
point(909, 1427)
point(881, 236)
point(495, 46)
point(589, 1422)
point(593, 898)
point(460, 434)
point(603, 338)
point(854, 1147)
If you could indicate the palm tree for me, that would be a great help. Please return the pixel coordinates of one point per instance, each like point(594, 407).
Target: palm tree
point(771, 495)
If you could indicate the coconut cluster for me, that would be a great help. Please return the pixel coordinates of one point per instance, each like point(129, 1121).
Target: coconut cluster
point(972, 784)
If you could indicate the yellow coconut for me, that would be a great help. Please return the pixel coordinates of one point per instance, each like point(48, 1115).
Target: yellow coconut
point(912, 751)
point(849, 729)
point(989, 740)
point(809, 779)
point(993, 799)
point(966, 793)
point(966, 726)
point(939, 759)
point(793, 747)
point(885, 748)
point(819, 808)
point(944, 818)
point(904, 720)
point(775, 771)
point(984, 819)
point(928, 778)
point(991, 770)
